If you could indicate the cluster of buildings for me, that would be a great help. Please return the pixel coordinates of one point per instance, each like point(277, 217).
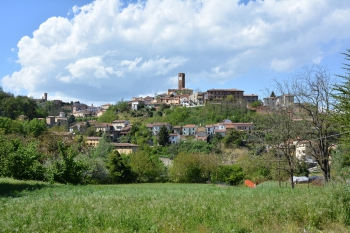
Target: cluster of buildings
point(199, 133)
point(183, 96)
point(285, 100)
point(120, 128)
point(83, 110)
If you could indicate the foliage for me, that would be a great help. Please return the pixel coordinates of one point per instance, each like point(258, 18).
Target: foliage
point(34, 127)
point(119, 169)
point(302, 169)
point(22, 160)
point(66, 168)
point(256, 104)
point(109, 116)
point(342, 96)
point(232, 174)
point(341, 116)
point(148, 168)
point(163, 136)
point(257, 168)
point(71, 119)
point(121, 106)
point(189, 146)
point(103, 148)
point(234, 138)
point(8, 126)
point(12, 107)
point(192, 168)
point(341, 162)
point(208, 114)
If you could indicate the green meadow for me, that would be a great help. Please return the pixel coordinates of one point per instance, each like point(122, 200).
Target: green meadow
point(27, 206)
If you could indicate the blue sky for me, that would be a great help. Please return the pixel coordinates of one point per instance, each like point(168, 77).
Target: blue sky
point(106, 50)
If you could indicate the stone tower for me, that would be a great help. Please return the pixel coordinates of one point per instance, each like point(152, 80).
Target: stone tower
point(45, 97)
point(181, 80)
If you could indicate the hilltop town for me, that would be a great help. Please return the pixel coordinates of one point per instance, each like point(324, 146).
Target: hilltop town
point(180, 97)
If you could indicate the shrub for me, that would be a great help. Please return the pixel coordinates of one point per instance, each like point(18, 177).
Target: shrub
point(119, 169)
point(232, 174)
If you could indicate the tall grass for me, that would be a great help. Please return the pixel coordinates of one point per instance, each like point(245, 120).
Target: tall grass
point(172, 208)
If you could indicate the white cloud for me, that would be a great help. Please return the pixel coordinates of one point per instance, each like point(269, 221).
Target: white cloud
point(110, 50)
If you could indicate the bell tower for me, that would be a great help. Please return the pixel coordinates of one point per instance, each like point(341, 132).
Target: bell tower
point(181, 80)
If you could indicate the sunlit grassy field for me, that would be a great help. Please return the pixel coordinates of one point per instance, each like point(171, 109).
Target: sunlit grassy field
point(41, 207)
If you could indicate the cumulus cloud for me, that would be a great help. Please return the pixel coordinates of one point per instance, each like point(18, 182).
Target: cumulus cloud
point(109, 49)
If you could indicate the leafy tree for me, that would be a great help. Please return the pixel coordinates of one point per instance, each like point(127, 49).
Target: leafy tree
point(232, 174)
point(103, 149)
point(119, 169)
point(10, 108)
point(341, 113)
point(272, 94)
point(163, 136)
point(148, 168)
point(23, 163)
point(234, 137)
point(256, 168)
point(302, 169)
point(256, 104)
point(122, 106)
point(71, 119)
point(192, 168)
point(8, 126)
point(66, 168)
point(109, 116)
point(34, 127)
point(28, 107)
point(230, 98)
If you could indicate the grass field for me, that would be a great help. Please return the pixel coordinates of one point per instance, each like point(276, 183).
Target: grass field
point(41, 207)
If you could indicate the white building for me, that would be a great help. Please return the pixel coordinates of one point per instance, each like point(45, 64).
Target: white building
point(284, 100)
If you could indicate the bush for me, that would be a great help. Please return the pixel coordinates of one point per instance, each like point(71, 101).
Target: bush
point(119, 169)
point(232, 174)
point(192, 168)
point(148, 168)
point(23, 163)
point(67, 168)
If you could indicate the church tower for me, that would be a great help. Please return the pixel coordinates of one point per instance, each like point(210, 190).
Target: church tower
point(181, 80)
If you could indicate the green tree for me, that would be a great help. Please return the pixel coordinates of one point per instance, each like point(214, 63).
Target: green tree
point(109, 116)
point(23, 163)
point(163, 136)
point(71, 119)
point(233, 138)
point(192, 168)
point(103, 149)
point(34, 127)
point(119, 169)
point(10, 108)
point(67, 168)
point(232, 174)
point(341, 113)
point(122, 106)
point(28, 107)
point(148, 168)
